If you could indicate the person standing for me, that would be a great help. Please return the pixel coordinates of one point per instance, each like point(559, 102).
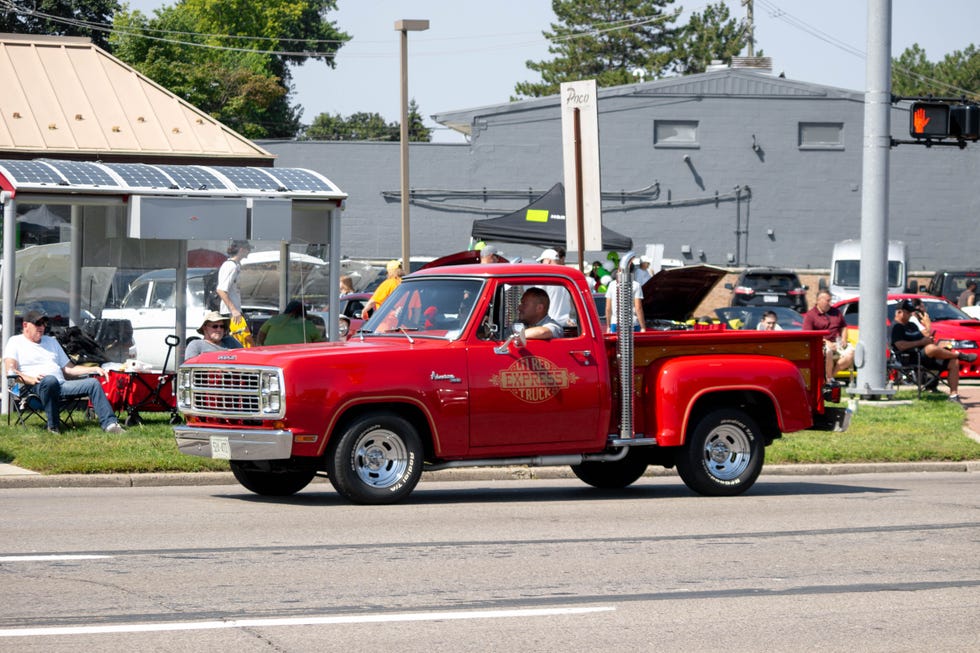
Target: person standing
point(560, 307)
point(838, 354)
point(228, 273)
point(969, 296)
point(38, 360)
point(346, 285)
point(612, 314)
point(395, 272)
point(291, 326)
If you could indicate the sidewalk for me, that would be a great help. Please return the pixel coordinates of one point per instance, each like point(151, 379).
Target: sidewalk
point(14, 477)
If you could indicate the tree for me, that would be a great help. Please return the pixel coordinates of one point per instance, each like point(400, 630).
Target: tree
point(231, 58)
point(710, 35)
point(42, 17)
point(366, 127)
point(957, 74)
point(605, 40)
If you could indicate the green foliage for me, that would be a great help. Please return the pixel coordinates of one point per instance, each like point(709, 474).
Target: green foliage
point(366, 127)
point(712, 34)
point(957, 74)
point(604, 40)
point(33, 18)
point(237, 69)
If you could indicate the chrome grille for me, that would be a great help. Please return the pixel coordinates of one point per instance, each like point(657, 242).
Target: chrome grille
point(231, 392)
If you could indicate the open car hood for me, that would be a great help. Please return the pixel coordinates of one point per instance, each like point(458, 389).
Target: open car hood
point(676, 293)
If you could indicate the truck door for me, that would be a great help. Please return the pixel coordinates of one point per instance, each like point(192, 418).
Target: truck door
point(546, 392)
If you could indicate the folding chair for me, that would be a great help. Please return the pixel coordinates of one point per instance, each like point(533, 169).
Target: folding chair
point(26, 404)
point(913, 367)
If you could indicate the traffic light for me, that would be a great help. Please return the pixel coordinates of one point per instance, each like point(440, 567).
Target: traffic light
point(939, 120)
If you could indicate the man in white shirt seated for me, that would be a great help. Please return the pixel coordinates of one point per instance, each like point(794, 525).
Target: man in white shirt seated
point(38, 360)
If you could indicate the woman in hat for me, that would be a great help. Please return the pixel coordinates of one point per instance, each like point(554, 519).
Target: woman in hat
point(215, 336)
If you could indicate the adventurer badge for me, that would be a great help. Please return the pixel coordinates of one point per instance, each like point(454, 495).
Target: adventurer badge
point(533, 379)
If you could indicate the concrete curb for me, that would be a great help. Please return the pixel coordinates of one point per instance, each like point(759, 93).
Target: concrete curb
point(34, 480)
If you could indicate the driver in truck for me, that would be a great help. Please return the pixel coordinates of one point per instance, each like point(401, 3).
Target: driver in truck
point(533, 311)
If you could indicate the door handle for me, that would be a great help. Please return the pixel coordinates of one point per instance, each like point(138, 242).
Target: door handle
point(582, 356)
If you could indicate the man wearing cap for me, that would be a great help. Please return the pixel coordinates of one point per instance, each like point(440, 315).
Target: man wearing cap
point(215, 336)
point(560, 303)
point(488, 254)
point(38, 360)
point(227, 289)
point(642, 274)
point(907, 337)
point(394, 270)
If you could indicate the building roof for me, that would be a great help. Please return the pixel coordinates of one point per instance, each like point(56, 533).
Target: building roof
point(727, 82)
point(63, 97)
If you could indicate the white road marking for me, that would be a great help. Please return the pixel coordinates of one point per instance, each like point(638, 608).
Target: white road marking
point(296, 621)
point(30, 558)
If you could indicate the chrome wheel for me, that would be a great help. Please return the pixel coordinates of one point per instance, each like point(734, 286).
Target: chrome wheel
point(380, 458)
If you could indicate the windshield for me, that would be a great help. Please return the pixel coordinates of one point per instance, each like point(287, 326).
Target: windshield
point(937, 310)
point(436, 308)
point(848, 274)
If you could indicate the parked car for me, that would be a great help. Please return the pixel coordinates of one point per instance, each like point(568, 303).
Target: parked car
point(748, 317)
point(952, 327)
point(949, 284)
point(769, 287)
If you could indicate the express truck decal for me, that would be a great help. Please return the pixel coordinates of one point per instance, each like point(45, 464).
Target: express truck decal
point(533, 379)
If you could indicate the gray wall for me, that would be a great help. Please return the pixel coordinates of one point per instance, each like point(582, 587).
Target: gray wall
point(806, 198)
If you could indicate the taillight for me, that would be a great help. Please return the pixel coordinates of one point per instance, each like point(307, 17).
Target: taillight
point(797, 292)
point(743, 290)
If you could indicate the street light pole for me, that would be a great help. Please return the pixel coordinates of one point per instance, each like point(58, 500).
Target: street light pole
point(406, 26)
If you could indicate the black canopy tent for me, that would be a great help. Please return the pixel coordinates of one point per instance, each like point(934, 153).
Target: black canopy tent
point(542, 222)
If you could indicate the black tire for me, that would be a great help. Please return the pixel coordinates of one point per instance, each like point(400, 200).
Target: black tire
point(723, 455)
point(612, 475)
point(376, 460)
point(277, 480)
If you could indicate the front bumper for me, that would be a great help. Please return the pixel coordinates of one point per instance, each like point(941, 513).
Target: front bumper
point(234, 445)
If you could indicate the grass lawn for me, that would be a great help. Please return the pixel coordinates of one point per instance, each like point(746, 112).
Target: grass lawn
point(930, 429)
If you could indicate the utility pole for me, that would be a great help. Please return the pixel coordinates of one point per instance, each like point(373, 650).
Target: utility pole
point(749, 27)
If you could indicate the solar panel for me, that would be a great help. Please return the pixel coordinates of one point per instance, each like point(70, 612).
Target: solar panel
point(30, 172)
point(140, 175)
point(248, 178)
point(83, 173)
point(194, 177)
point(297, 179)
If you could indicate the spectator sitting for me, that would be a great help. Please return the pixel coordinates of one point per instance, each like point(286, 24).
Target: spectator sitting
point(38, 360)
point(533, 312)
point(291, 326)
point(907, 337)
point(216, 336)
point(838, 355)
point(769, 322)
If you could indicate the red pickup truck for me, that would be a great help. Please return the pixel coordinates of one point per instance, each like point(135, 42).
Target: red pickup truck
point(441, 377)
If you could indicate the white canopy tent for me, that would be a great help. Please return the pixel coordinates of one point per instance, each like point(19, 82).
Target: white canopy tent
point(124, 210)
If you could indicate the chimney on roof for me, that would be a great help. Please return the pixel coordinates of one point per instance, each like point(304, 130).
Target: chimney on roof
point(761, 64)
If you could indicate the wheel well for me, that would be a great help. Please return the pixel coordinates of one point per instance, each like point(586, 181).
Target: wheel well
point(755, 404)
point(408, 412)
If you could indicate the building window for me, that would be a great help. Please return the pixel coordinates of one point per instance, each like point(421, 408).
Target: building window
point(821, 136)
point(675, 133)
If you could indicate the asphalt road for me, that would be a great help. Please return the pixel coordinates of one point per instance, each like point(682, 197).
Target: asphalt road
point(866, 562)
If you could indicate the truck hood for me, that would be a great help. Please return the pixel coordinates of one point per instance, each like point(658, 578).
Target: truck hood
point(676, 293)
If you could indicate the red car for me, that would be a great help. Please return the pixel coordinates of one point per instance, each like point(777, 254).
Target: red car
point(953, 327)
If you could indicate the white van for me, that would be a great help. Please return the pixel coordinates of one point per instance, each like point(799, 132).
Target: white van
point(845, 269)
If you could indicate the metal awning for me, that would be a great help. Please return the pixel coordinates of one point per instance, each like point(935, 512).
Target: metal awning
point(51, 176)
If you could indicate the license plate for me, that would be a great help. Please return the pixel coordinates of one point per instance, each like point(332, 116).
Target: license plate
point(220, 447)
point(770, 299)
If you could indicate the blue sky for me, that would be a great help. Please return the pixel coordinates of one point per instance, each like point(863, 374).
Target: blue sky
point(475, 51)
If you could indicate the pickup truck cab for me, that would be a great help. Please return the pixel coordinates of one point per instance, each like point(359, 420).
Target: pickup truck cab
point(441, 376)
